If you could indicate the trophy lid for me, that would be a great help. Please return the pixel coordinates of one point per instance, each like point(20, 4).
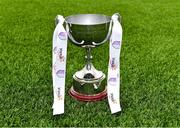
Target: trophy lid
point(88, 19)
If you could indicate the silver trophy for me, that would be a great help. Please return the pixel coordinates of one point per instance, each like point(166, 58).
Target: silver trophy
point(88, 31)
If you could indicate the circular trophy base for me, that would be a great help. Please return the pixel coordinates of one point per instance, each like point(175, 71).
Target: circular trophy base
point(88, 98)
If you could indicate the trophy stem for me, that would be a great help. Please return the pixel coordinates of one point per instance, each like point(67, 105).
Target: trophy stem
point(88, 59)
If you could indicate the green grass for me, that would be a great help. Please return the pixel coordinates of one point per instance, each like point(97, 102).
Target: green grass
point(150, 63)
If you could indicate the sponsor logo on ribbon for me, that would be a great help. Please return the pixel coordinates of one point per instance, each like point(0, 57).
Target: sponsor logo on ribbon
point(60, 73)
point(62, 36)
point(116, 44)
point(113, 64)
point(111, 96)
point(55, 67)
point(61, 57)
point(55, 50)
point(58, 92)
point(112, 80)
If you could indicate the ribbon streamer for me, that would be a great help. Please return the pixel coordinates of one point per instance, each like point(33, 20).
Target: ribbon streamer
point(59, 53)
point(113, 80)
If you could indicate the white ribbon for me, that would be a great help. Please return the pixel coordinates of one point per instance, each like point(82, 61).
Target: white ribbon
point(59, 65)
point(113, 80)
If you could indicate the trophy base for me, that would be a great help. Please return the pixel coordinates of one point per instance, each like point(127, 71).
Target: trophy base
point(87, 85)
point(88, 98)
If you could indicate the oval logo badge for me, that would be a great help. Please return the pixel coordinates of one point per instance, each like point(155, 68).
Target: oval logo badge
point(112, 81)
point(60, 73)
point(116, 44)
point(62, 36)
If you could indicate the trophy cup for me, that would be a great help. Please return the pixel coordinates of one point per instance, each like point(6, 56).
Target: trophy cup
point(88, 31)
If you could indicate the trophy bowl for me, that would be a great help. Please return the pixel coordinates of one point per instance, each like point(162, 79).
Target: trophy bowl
point(88, 29)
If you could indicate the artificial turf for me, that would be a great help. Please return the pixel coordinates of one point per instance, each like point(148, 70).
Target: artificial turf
point(150, 63)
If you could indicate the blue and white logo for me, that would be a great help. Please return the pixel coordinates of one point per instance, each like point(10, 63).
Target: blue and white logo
point(112, 80)
point(60, 73)
point(62, 35)
point(116, 44)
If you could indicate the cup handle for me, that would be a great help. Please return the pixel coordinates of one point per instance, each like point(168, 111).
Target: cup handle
point(71, 37)
point(107, 37)
point(119, 16)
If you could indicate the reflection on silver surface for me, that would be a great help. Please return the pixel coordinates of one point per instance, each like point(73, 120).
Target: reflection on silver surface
point(88, 19)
